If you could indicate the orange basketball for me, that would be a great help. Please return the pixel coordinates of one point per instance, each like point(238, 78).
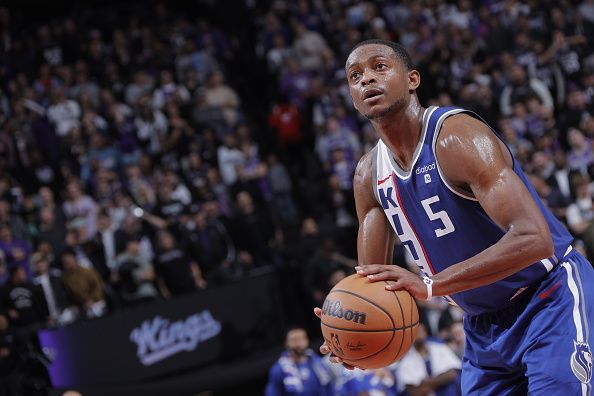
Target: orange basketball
point(366, 325)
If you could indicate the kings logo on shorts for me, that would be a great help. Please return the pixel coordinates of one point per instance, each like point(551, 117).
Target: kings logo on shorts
point(335, 309)
point(581, 362)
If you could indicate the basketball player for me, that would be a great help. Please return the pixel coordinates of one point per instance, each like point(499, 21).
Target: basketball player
point(443, 182)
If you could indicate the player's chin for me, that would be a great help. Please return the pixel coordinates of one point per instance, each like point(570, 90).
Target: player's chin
point(377, 112)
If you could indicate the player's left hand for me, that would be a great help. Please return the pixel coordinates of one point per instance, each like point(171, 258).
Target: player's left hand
point(403, 279)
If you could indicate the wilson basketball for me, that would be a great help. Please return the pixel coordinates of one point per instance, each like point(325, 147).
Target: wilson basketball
point(366, 325)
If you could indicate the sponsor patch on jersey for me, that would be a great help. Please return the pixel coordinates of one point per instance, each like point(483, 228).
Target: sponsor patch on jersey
point(425, 168)
point(581, 362)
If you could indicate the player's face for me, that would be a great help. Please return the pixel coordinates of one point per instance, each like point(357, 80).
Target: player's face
point(379, 82)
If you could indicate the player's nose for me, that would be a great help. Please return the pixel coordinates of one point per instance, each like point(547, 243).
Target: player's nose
point(368, 78)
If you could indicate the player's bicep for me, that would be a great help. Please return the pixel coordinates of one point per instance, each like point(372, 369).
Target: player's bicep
point(488, 173)
point(375, 239)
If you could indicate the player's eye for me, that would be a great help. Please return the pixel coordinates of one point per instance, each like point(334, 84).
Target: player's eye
point(355, 75)
point(380, 66)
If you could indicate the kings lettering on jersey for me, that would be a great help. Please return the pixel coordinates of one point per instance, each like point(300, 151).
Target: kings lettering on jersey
point(441, 226)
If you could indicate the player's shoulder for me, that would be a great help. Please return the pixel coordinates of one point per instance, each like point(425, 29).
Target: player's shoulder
point(365, 176)
point(365, 166)
point(461, 126)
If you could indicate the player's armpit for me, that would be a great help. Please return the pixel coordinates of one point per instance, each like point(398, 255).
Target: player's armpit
point(375, 239)
point(472, 157)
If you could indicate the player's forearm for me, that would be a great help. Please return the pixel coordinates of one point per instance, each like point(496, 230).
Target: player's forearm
point(375, 241)
point(513, 252)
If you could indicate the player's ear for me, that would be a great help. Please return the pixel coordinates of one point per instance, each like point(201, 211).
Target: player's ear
point(414, 80)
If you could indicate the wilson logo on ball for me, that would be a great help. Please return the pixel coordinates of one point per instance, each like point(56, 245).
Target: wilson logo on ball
point(334, 308)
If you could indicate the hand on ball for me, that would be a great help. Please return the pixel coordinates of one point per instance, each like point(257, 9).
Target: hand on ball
point(325, 350)
point(402, 278)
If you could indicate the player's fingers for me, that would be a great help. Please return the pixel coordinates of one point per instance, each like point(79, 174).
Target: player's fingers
point(335, 359)
point(324, 349)
point(369, 269)
point(395, 286)
point(318, 312)
point(380, 276)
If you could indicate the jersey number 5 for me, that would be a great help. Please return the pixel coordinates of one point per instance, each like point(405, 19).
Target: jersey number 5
point(442, 215)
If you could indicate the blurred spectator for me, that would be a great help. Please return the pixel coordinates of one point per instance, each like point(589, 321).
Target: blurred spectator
point(15, 252)
point(16, 223)
point(229, 157)
point(551, 196)
point(176, 273)
point(308, 46)
point(26, 306)
point(254, 231)
point(429, 367)
point(83, 285)
point(64, 113)
point(212, 247)
point(281, 189)
point(580, 214)
point(9, 359)
point(81, 210)
point(522, 88)
point(456, 338)
point(51, 230)
point(325, 269)
point(220, 95)
point(50, 283)
point(376, 382)
point(299, 371)
point(581, 156)
point(135, 274)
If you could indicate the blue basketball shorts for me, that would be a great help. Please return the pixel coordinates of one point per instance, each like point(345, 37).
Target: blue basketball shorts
point(541, 344)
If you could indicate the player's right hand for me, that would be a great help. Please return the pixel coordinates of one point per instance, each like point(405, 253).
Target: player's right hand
point(324, 349)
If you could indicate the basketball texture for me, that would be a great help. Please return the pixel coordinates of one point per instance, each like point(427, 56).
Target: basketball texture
point(366, 325)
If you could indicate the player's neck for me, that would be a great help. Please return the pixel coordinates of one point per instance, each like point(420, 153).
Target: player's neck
point(401, 130)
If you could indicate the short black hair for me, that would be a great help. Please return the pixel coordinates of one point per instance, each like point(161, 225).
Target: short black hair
point(398, 49)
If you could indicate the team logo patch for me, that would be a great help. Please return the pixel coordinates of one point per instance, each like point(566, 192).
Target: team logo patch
point(581, 362)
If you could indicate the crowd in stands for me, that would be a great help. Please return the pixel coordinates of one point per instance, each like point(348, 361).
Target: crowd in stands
point(157, 151)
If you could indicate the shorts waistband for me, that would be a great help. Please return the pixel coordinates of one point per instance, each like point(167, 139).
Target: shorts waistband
point(552, 261)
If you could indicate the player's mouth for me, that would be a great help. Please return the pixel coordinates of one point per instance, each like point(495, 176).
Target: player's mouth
point(371, 94)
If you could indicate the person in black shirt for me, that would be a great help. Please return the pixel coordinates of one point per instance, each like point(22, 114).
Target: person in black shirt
point(176, 272)
point(26, 305)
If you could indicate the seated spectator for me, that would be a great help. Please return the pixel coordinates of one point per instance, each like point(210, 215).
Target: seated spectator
point(25, 303)
point(80, 207)
point(50, 283)
point(10, 357)
point(211, 246)
point(176, 272)
point(551, 196)
point(299, 371)
point(83, 285)
point(581, 157)
point(456, 338)
point(380, 382)
point(522, 88)
point(325, 269)
point(50, 230)
point(429, 367)
point(254, 231)
point(282, 190)
point(16, 252)
point(218, 94)
point(580, 214)
point(136, 274)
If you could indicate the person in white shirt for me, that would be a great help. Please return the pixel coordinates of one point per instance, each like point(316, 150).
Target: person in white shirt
point(430, 368)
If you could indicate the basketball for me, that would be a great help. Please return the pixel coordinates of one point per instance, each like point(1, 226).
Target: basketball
point(366, 325)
